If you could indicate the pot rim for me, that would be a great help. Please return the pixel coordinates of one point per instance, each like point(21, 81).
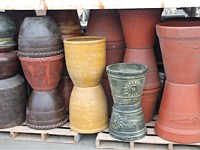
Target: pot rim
point(151, 91)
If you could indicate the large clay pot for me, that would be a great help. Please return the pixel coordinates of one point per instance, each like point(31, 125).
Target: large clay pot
point(85, 59)
point(12, 102)
point(45, 110)
point(180, 47)
point(139, 26)
point(105, 23)
point(39, 37)
point(146, 57)
point(88, 110)
point(43, 74)
point(179, 115)
point(9, 64)
point(127, 82)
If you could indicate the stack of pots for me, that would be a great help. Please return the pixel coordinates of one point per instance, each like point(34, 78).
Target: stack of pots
point(41, 55)
point(106, 23)
point(139, 31)
point(12, 85)
point(179, 114)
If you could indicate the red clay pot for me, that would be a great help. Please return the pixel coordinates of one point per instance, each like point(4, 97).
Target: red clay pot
point(180, 47)
point(149, 99)
point(139, 26)
point(43, 74)
point(105, 23)
point(179, 114)
point(146, 57)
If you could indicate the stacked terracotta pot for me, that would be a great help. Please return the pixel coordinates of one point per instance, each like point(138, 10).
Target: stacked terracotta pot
point(179, 114)
point(12, 86)
point(106, 23)
point(139, 32)
point(41, 55)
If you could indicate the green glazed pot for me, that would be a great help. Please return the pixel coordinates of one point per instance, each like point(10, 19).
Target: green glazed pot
point(127, 83)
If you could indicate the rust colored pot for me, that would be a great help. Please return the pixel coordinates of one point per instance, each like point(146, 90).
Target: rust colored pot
point(180, 47)
point(45, 110)
point(9, 64)
point(43, 74)
point(139, 26)
point(146, 57)
point(105, 23)
point(65, 87)
point(149, 99)
point(179, 114)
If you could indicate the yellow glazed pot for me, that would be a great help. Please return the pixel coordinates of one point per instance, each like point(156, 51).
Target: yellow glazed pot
point(88, 110)
point(85, 59)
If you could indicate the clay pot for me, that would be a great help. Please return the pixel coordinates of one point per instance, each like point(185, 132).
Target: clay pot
point(65, 87)
point(105, 23)
point(12, 102)
point(127, 82)
point(39, 37)
point(88, 110)
point(149, 99)
point(45, 110)
point(85, 59)
point(43, 74)
point(9, 64)
point(180, 47)
point(139, 26)
point(146, 57)
point(179, 115)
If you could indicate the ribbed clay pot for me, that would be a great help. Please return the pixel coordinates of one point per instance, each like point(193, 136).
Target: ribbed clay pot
point(105, 23)
point(139, 26)
point(45, 110)
point(179, 115)
point(146, 57)
point(180, 47)
point(12, 101)
point(43, 74)
point(9, 64)
point(85, 59)
point(88, 110)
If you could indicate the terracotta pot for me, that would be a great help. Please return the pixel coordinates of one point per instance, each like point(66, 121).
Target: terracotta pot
point(146, 57)
point(88, 110)
point(45, 110)
point(149, 99)
point(43, 74)
point(179, 114)
point(139, 26)
point(180, 47)
point(65, 87)
point(9, 64)
point(12, 102)
point(105, 23)
point(85, 59)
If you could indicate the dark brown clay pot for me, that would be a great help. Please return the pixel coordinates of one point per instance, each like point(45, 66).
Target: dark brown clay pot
point(179, 114)
point(9, 64)
point(105, 23)
point(65, 87)
point(12, 102)
point(180, 47)
point(45, 110)
point(149, 99)
point(139, 26)
point(43, 74)
point(146, 57)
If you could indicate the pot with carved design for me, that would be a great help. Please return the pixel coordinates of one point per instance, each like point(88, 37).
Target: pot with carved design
point(127, 83)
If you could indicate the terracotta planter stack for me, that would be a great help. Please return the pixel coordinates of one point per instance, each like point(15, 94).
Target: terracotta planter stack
point(179, 114)
point(139, 32)
point(106, 23)
point(41, 56)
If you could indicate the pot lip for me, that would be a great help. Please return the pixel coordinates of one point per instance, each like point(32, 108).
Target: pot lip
point(182, 85)
point(151, 91)
point(41, 59)
point(140, 49)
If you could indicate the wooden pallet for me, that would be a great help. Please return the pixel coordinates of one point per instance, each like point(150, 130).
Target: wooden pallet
point(104, 140)
point(61, 134)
